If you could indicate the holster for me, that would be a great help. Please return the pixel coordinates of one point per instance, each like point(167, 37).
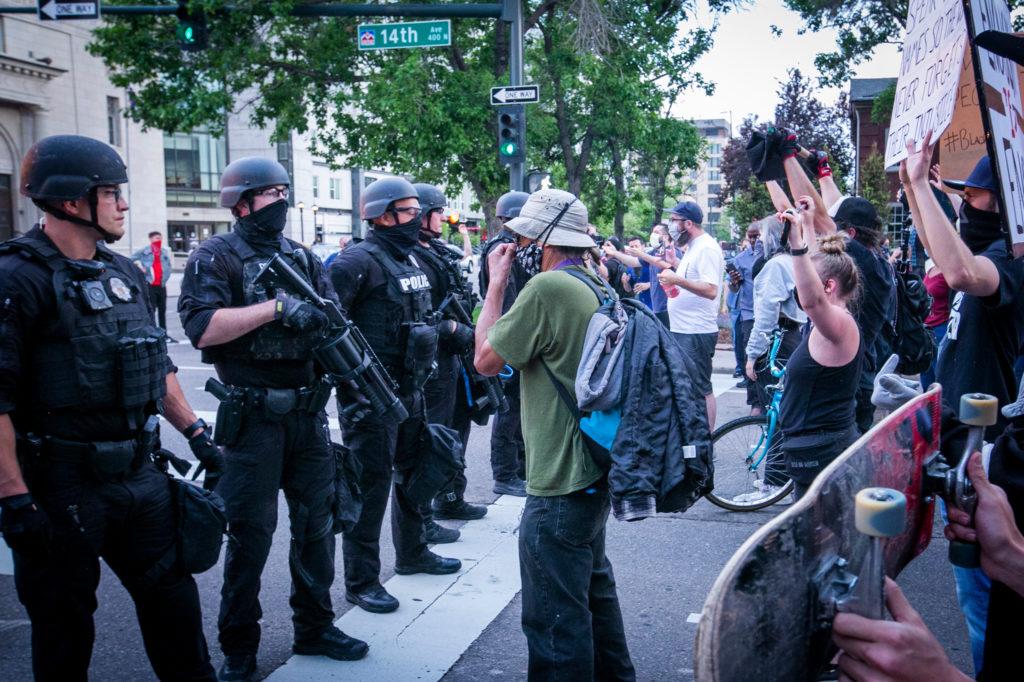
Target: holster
point(420, 350)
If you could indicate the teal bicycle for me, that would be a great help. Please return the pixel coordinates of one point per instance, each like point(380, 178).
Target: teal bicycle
point(750, 472)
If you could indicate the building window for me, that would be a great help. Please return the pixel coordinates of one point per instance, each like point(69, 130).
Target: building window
point(715, 189)
point(714, 162)
point(193, 163)
point(335, 188)
point(316, 186)
point(714, 149)
point(896, 219)
point(714, 175)
point(114, 121)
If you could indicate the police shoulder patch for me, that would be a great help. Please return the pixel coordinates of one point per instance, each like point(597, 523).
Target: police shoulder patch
point(120, 290)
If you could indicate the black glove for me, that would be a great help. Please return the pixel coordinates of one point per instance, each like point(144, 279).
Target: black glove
point(210, 458)
point(25, 525)
point(457, 337)
point(299, 315)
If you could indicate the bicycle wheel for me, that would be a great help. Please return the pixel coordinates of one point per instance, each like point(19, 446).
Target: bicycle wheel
point(740, 469)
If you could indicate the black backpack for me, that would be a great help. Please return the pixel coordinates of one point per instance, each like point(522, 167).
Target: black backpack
point(906, 333)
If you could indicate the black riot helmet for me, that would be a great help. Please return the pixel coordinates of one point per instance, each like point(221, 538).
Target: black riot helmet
point(509, 204)
point(243, 177)
point(67, 168)
point(380, 194)
point(431, 197)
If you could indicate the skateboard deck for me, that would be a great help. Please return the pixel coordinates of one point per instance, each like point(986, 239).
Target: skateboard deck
point(769, 614)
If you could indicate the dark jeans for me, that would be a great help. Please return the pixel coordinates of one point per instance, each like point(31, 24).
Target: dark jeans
point(130, 523)
point(158, 297)
point(928, 376)
point(663, 316)
point(508, 453)
point(739, 347)
point(381, 448)
point(571, 614)
point(445, 401)
point(291, 453)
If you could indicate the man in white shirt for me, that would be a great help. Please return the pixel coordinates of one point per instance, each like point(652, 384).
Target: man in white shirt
point(693, 304)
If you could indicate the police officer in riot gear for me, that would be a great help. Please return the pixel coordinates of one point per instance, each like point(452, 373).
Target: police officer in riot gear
point(445, 395)
point(83, 372)
point(271, 420)
point(507, 449)
point(388, 298)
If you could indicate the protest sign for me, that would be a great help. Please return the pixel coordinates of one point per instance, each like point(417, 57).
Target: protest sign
point(999, 96)
point(926, 90)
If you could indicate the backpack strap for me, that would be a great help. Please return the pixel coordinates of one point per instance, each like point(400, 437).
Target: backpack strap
point(563, 392)
point(602, 298)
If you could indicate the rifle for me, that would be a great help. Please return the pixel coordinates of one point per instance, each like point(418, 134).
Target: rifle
point(485, 394)
point(344, 352)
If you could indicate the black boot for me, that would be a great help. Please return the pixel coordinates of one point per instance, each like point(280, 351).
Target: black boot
point(459, 510)
point(237, 668)
point(429, 563)
point(436, 534)
point(333, 643)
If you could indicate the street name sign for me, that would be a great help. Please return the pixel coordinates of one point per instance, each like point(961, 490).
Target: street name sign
point(404, 35)
point(58, 10)
point(515, 94)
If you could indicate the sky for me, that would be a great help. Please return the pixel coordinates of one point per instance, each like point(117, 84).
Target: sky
point(747, 63)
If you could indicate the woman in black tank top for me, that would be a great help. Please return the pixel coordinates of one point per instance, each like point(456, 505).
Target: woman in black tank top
point(817, 415)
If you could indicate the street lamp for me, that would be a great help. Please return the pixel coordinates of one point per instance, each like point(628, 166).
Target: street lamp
point(302, 225)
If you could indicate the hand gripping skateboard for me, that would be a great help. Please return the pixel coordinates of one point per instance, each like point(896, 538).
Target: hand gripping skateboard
point(867, 515)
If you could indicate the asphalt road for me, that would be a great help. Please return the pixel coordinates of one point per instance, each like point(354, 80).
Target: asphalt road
point(664, 567)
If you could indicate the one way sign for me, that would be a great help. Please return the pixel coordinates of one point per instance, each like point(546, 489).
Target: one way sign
point(58, 10)
point(515, 94)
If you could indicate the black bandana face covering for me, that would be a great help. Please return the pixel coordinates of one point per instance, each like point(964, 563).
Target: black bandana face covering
point(401, 237)
point(531, 257)
point(264, 227)
point(979, 228)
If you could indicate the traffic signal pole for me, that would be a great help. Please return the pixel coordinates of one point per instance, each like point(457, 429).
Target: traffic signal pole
point(507, 11)
point(513, 14)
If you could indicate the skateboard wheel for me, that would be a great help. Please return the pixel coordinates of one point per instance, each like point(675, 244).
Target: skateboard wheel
point(978, 409)
point(880, 512)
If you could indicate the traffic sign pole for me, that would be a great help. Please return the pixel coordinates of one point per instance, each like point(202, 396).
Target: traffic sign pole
point(514, 15)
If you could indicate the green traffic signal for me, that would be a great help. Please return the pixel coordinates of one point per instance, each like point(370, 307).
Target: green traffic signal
point(509, 148)
point(187, 34)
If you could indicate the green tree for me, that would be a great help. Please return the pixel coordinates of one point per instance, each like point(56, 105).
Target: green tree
point(881, 108)
point(860, 26)
point(874, 183)
point(600, 66)
point(668, 149)
point(753, 203)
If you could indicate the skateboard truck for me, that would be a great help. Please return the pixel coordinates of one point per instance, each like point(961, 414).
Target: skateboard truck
point(879, 513)
point(977, 410)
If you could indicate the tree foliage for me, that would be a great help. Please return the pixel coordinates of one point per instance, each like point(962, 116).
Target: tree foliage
point(860, 26)
point(881, 108)
point(874, 183)
point(817, 126)
point(604, 70)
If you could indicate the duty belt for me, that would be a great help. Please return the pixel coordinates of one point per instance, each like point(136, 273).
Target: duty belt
point(281, 401)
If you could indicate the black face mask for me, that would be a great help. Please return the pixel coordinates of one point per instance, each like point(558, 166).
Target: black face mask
point(264, 227)
point(979, 228)
point(401, 237)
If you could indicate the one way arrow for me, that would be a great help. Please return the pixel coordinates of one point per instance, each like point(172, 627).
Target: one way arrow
point(501, 96)
point(50, 9)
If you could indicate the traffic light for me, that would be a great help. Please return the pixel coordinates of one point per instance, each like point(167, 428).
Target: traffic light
point(511, 135)
point(318, 234)
point(191, 28)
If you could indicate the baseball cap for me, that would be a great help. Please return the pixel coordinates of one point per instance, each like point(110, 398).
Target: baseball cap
point(687, 210)
point(858, 212)
point(980, 178)
point(556, 216)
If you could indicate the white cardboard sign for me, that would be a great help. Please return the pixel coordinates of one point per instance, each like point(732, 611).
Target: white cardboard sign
point(933, 51)
point(1001, 84)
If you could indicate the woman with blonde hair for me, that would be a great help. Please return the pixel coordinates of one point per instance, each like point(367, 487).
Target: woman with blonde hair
point(817, 415)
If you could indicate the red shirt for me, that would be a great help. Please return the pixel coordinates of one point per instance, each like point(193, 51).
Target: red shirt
point(158, 267)
point(939, 291)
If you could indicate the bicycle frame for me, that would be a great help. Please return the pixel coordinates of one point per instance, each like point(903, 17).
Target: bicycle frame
point(764, 443)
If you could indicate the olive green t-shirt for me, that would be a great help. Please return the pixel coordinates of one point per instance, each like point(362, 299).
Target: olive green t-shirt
point(549, 320)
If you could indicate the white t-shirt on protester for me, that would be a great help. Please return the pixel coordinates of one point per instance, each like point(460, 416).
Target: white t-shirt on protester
point(689, 313)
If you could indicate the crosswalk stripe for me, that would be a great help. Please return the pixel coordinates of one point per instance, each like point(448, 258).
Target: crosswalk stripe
point(405, 645)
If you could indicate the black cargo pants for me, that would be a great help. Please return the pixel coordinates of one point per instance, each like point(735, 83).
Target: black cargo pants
point(508, 453)
point(381, 448)
point(445, 401)
point(129, 522)
point(292, 453)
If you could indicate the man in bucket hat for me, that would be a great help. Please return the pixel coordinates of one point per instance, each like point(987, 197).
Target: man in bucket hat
point(571, 614)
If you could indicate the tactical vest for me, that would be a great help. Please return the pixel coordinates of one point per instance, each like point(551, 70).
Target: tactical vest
point(272, 341)
point(449, 266)
point(387, 320)
point(103, 351)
